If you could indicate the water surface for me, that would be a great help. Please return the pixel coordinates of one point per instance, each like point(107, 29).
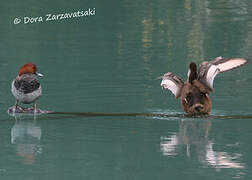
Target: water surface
point(109, 62)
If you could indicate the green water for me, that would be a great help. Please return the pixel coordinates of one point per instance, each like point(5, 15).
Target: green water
point(109, 62)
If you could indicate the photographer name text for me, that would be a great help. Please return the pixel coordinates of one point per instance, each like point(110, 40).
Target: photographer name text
point(55, 17)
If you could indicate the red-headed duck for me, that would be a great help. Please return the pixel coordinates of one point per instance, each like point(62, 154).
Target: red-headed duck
point(26, 87)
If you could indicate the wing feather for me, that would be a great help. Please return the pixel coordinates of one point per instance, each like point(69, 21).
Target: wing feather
point(173, 83)
point(27, 84)
point(227, 64)
point(208, 70)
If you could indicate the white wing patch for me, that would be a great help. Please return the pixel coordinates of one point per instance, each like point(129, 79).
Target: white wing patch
point(169, 84)
point(231, 64)
point(173, 83)
point(211, 73)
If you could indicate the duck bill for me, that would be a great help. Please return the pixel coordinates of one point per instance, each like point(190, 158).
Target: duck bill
point(39, 74)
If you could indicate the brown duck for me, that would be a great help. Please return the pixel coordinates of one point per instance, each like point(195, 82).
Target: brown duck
point(194, 94)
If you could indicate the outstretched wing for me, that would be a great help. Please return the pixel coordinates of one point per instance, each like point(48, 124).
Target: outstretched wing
point(207, 73)
point(227, 64)
point(208, 70)
point(173, 83)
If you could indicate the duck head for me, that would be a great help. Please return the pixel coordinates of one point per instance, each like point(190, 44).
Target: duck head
point(194, 94)
point(195, 98)
point(29, 68)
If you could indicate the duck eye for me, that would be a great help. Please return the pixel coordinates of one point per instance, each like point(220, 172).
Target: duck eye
point(203, 94)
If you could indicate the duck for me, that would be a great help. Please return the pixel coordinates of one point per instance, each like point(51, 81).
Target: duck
point(194, 94)
point(26, 87)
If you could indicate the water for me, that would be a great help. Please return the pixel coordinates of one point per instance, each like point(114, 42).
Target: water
point(109, 62)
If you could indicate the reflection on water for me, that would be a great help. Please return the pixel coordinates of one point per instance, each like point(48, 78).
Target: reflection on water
point(112, 61)
point(26, 134)
point(222, 159)
point(195, 136)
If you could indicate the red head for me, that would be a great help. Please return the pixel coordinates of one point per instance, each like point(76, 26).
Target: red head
point(29, 68)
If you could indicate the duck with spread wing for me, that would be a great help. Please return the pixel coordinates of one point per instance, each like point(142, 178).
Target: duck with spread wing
point(194, 94)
